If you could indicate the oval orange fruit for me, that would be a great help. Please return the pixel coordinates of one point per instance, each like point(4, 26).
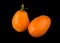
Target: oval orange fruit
point(20, 20)
point(39, 26)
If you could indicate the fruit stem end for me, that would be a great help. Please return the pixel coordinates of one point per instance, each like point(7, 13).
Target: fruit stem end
point(22, 7)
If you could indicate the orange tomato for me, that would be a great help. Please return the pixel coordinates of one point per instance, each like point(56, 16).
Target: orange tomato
point(20, 20)
point(39, 26)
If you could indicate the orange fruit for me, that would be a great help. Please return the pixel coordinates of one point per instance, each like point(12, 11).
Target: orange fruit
point(39, 26)
point(20, 20)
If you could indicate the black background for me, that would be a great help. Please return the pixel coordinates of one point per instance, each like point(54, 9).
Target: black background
point(36, 8)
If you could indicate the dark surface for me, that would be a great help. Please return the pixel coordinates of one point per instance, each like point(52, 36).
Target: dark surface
point(36, 8)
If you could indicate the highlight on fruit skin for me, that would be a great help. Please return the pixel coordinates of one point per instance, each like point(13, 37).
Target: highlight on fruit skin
point(39, 26)
point(20, 20)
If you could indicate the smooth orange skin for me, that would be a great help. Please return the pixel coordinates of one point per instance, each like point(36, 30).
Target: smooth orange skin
point(20, 21)
point(39, 26)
